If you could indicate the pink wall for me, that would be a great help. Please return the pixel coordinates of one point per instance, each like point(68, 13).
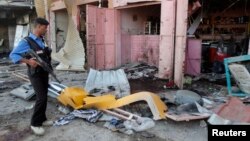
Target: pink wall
point(140, 48)
point(126, 48)
point(193, 57)
point(136, 27)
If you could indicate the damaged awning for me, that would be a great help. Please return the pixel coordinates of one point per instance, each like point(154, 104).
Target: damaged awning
point(117, 3)
point(16, 3)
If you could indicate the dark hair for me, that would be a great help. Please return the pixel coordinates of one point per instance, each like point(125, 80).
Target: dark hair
point(40, 21)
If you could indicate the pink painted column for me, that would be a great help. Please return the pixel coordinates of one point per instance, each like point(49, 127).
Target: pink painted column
point(180, 41)
point(118, 37)
point(166, 50)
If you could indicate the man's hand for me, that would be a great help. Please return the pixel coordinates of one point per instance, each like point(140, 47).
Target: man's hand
point(32, 62)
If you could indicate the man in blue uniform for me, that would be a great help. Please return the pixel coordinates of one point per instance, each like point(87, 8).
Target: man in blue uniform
point(39, 78)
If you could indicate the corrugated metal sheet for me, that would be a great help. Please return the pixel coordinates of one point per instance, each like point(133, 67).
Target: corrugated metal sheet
point(104, 79)
point(234, 110)
point(180, 41)
point(118, 38)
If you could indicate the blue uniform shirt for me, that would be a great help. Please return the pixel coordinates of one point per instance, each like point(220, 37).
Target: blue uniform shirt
point(22, 47)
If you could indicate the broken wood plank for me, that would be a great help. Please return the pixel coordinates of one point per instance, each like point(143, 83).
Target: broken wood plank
point(24, 77)
point(117, 115)
point(122, 114)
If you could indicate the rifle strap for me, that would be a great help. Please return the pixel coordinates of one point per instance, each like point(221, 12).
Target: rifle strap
point(33, 45)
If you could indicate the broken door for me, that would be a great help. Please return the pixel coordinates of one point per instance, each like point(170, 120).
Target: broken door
point(101, 51)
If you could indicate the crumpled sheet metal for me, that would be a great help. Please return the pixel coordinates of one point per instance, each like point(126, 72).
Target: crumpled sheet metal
point(72, 55)
point(157, 107)
point(234, 110)
point(103, 79)
point(100, 102)
point(72, 96)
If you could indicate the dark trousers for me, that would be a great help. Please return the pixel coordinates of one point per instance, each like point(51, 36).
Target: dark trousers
point(39, 82)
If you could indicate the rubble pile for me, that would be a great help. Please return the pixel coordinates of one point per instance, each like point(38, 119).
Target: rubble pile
point(140, 70)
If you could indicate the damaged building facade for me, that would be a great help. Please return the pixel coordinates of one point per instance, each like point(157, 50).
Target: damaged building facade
point(119, 32)
point(176, 37)
point(15, 16)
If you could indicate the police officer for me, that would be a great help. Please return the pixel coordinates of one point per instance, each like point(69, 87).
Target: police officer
point(39, 78)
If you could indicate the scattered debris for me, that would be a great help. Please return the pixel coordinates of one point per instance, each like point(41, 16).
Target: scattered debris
point(234, 110)
point(186, 96)
point(20, 75)
point(55, 89)
point(121, 114)
point(242, 77)
point(217, 120)
point(107, 117)
point(185, 116)
point(188, 111)
point(246, 99)
point(141, 124)
point(203, 124)
point(147, 134)
point(205, 88)
point(212, 77)
point(89, 115)
point(156, 105)
point(99, 82)
point(25, 91)
point(187, 108)
point(208, 103)
point(139, 70)
point(64, 109)
point(112, 124)
point(8, 85)
point(169, 85)
point(131, 126)
point(188, 80)
point(202, 110)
